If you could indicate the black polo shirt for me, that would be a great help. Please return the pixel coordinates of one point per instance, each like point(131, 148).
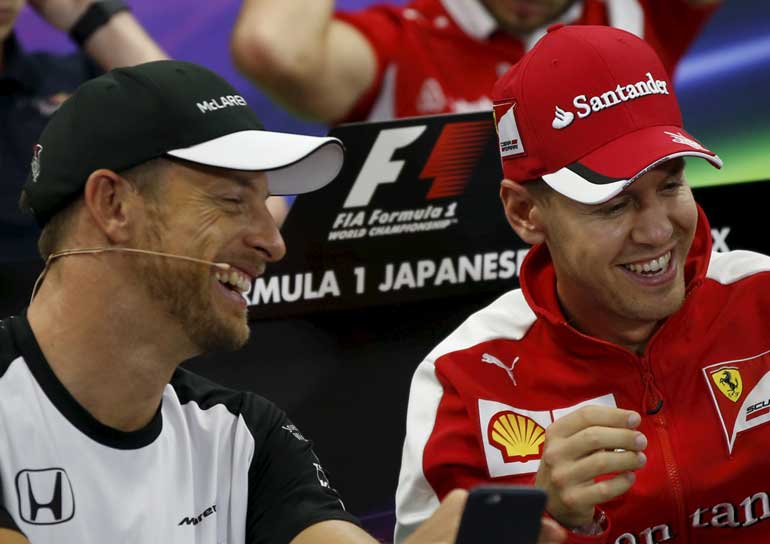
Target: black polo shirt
point(32, 86)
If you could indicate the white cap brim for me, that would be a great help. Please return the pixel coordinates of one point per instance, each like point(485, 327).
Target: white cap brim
point(294, 163)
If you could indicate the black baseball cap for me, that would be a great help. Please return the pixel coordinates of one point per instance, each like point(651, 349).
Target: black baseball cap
point(129, 116)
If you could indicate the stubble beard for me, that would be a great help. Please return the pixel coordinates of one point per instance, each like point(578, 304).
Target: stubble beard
point(642, 308)
point(183, 289)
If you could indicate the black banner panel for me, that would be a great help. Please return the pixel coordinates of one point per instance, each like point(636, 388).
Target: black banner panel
point(416, 215)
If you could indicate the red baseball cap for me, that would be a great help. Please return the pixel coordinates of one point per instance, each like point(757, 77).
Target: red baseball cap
point(589, 109)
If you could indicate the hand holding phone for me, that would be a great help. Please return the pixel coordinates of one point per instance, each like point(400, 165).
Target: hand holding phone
point(502, 514)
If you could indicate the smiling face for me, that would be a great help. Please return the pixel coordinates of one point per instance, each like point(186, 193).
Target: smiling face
point(213, 214)
point(9, 11)
point(524, 16)
point(620, 265)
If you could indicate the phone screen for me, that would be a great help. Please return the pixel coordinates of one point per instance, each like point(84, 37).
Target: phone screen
point(502, 515)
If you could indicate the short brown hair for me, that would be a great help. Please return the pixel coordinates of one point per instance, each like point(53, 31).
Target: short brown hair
point(539, 190)
point(144, 179)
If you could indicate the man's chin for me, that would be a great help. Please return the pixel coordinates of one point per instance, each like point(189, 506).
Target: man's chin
point(662, 310)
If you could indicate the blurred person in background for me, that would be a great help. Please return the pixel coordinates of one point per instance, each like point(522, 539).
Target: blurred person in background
point(426, 56)
point(34, 85)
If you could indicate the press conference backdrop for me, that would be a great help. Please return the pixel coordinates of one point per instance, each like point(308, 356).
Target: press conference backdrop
point(341, 365)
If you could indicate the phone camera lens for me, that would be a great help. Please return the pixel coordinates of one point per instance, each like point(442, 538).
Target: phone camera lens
point(493, 498)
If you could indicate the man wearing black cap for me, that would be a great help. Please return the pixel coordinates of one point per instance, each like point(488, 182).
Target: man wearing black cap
point(150, 185)
point(630, 374)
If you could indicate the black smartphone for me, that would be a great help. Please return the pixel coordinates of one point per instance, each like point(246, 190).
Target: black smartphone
point(502, 514)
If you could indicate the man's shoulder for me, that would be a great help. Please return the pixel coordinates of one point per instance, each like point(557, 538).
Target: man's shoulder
point(509, 317)
point(192, 387)
point(734, 266)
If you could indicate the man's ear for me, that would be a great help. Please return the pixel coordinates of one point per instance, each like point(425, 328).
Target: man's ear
point(112, 202)
point(522, 211)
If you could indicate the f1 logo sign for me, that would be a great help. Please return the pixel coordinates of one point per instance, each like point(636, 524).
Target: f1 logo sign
point(45, 496)
point(450, 164)
point(378, 167)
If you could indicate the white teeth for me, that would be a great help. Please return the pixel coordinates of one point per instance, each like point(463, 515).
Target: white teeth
point(235, 278)
point(651, 267)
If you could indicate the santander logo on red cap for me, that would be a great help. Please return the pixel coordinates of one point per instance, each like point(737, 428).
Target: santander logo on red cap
point(585, 105)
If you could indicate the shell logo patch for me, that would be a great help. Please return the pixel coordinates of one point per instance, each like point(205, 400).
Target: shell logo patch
point(518, 437)
point(513, 438)
point(740, 390)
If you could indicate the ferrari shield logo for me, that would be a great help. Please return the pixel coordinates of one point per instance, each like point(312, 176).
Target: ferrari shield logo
point(728, 381)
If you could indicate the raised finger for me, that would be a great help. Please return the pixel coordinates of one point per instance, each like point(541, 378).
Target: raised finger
point(595, 493)
point(593, 439)
point(594, 416)
point(599, 463)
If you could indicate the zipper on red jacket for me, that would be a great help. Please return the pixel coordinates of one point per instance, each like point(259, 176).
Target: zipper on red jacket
point(652, 403)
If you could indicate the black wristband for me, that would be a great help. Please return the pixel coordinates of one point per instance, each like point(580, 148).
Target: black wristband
point(96, 16)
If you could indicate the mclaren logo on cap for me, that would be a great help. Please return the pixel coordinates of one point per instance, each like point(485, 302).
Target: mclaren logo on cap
point(507, 129)
point(35, 166)
point(222, 102)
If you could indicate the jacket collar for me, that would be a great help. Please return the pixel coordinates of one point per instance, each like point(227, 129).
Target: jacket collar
point(475, 20)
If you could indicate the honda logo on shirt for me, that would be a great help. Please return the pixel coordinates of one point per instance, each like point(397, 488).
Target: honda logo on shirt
point(45, 496)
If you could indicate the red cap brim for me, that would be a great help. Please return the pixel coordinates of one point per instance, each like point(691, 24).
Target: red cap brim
point(605, 172)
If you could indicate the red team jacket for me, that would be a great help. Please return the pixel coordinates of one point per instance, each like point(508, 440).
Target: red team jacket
point(482, 399)
point(443, 56)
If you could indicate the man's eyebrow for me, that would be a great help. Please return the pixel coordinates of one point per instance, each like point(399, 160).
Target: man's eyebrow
point(240, 181)
point(674, 167)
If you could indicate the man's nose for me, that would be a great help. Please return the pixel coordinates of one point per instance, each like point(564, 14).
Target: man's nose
point(653, 224)
point(263, 235)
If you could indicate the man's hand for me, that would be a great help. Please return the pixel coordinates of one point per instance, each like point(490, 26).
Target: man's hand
point(442, 526)
point(9, 536)
point(61, 14)
point(591, 442)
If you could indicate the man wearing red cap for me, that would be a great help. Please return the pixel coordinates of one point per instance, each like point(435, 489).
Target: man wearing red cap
point(630, 375)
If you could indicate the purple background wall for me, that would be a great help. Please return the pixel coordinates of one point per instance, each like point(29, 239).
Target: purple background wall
point(730, 58)
point(189, 30)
